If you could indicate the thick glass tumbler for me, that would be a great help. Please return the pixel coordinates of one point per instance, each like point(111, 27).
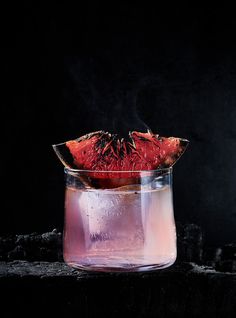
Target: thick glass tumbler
point(129, 227)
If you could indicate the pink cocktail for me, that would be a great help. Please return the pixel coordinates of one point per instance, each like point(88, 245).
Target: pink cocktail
point(127, 228)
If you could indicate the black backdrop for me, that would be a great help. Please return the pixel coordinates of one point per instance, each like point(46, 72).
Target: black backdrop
point(70, 71)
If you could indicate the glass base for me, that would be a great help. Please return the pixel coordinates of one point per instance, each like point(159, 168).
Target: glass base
point(116, 266)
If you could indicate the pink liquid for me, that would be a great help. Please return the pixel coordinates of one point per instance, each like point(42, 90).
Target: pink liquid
point(119, 229)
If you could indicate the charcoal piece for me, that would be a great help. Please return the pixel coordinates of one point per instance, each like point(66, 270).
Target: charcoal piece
point(7, 244)
point(32, 247)
point(17, 253)
point(226, 261)
point(189, 243)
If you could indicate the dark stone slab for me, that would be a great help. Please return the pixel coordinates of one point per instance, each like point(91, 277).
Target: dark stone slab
point(184, 290)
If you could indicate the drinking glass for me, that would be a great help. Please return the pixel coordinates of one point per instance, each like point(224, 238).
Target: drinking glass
point(119, 220)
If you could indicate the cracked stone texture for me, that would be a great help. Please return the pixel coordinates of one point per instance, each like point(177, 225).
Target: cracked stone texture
point(186, 290)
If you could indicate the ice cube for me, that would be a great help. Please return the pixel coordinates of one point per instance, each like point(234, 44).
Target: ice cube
point(112, 215)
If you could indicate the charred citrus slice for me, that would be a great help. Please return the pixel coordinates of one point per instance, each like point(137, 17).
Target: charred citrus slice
point(104, 155)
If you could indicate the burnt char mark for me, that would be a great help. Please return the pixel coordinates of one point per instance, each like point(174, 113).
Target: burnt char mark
point(129, 148)
point(183, 143)
point(101, 143)
point(114, 144)
point(102, 140)
point(121, 153)
point(112, 148)
point(143, 139)
point(126, 148)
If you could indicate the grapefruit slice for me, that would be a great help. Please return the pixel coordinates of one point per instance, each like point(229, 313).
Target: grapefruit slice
point(104, 156)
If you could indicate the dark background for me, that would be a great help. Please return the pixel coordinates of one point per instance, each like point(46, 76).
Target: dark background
point(68, 71)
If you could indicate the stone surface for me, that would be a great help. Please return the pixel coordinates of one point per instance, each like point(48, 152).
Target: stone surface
point(185, 290)
point(32, 247)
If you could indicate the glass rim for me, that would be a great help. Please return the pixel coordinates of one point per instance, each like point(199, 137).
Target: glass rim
point(72, 170)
